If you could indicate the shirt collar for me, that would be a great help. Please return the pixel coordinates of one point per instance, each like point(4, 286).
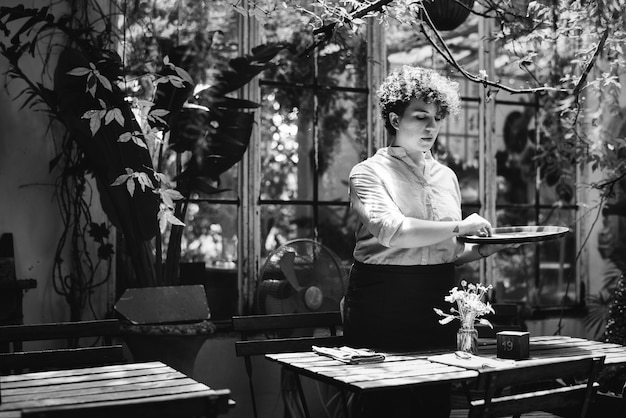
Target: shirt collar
point(400, 152)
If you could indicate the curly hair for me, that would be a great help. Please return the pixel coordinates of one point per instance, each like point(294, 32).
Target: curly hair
point(403, 85)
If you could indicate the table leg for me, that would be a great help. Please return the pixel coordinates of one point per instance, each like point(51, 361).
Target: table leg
point(302, 397)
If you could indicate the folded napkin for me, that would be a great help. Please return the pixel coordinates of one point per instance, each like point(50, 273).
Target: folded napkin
point(471, 361)
point(350, 355)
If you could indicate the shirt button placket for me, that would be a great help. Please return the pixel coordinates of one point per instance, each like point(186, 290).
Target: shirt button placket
point(431, 215)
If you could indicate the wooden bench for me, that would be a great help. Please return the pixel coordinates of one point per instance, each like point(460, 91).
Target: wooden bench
point(18, 360)
point(12, 289)
point(188, 405)
point(127, 390)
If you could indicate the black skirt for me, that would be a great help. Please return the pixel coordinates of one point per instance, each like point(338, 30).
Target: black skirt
point(390, 307)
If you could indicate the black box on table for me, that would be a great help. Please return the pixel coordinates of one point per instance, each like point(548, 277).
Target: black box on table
point(513, 344)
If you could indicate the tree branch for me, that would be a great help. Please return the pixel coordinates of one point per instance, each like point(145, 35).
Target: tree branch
point(327, 31)
point(445, 52)
point(440, 46)
point(371, 8)
point(591, 63)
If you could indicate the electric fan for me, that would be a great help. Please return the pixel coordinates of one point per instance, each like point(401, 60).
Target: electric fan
point(300, 276)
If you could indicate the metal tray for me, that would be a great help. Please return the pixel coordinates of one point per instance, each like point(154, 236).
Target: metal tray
point(517, 234)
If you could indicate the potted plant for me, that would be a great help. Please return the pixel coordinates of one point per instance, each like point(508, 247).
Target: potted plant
point(124, 124)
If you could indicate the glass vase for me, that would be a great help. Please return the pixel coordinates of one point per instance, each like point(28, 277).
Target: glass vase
point(467, 340)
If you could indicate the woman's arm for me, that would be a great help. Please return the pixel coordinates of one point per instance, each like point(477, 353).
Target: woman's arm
point(414, 233)
point(377, 210)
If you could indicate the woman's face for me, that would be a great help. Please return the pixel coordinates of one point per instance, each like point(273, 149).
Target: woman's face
point(418, 127)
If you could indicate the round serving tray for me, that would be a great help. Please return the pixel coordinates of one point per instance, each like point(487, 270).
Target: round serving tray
point(517, 234)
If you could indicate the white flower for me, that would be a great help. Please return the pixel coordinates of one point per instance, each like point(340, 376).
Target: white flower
point(469, 305)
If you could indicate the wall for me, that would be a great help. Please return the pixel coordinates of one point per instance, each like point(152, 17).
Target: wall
point(597, 267)
point(28, 208)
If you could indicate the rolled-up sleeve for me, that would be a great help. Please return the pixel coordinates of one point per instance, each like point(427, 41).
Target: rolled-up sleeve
point(373, 204)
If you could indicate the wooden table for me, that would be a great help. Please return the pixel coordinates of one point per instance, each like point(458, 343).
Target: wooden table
point(414, 369)
point(134, 389)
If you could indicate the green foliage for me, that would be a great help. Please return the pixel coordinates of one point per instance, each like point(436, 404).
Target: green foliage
point(121, 125)
point(611, 247)
point(613, 379)
point(333, 65)
point(596, 319)
point(571, 52)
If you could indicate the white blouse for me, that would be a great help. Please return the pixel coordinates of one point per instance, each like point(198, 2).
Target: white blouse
point(389, 186)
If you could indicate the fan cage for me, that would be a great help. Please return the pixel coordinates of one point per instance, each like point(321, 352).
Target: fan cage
point(319, 274)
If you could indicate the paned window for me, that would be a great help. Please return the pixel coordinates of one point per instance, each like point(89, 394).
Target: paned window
point(313, 130)
point(316, 122)
point(540, 275)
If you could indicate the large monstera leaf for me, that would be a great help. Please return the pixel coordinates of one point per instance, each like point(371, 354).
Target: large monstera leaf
point(216, 128)
point(217, 140)
point(243, 69)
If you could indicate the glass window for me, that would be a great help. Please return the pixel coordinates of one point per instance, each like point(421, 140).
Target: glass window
point(315, 125)
point(202, 36)
point(541, 275)
point(314, 129)
point(210, 233)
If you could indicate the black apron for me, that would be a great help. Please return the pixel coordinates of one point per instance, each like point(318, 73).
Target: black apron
point(390, 308)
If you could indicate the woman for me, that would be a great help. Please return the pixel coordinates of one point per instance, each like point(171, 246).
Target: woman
point(409, 208)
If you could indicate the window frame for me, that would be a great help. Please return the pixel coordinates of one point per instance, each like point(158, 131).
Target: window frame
point(249, 203)
point(251, 262)
point(488, 192)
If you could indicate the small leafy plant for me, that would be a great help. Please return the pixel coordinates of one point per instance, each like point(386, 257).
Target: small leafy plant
point(151, 137)
point(469, 305)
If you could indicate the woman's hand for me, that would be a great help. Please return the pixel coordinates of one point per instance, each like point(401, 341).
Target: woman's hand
point(475, 224)
point(486, 250)
point(500, 247)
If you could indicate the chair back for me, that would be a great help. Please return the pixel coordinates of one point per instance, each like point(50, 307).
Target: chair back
point(281, 333)
point(523, 389)
point(18, 360)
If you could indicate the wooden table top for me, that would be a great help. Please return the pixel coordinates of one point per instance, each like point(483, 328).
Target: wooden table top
point(558, 346)
point(132, 384)
point(414, 369)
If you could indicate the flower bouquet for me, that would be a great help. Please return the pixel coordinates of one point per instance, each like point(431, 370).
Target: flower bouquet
point(469, 308)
